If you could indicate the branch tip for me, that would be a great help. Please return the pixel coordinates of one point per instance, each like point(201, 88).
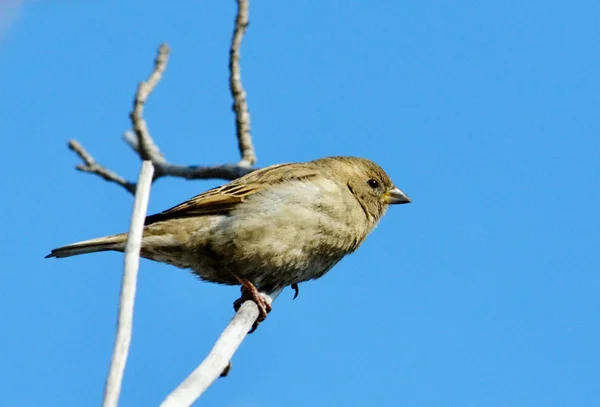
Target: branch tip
point(240, 105)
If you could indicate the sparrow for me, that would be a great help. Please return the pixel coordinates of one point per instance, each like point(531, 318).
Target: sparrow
point(274, 227)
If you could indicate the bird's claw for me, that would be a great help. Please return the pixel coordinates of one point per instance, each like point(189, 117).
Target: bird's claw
point(251, 293)
point(296, 289)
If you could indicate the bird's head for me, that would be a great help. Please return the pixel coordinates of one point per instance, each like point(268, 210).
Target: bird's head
point(368, 182)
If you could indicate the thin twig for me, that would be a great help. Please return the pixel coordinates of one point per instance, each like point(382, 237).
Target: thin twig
point(143, 144)
point(218, 358)
point(128, 286)
point(147, 149)
point(226, 172)
point(240, 105)
point(90, 165)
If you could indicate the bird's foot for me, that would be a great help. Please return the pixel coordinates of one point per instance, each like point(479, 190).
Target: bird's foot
point(296, 290)
point(250, 292)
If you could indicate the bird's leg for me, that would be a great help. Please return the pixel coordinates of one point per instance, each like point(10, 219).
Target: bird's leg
point(250, 292)
point(296, 289)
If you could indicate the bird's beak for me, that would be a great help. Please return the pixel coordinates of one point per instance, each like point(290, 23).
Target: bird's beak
point(395, 196)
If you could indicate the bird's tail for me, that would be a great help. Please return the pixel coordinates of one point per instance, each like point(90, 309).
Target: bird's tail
point(101, 244)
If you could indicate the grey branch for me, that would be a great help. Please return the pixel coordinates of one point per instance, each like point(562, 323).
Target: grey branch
point(147, 149)
point(90, 165)
point(128, 286)
point(143, 144)
point(218, 359)
point(156, 166)
point(227, 172)
point(240, 105)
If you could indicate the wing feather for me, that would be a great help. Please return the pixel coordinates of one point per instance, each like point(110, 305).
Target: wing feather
point(221, 200)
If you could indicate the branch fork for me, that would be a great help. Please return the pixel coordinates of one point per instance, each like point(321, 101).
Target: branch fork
point(142, 143)
point(155, 165)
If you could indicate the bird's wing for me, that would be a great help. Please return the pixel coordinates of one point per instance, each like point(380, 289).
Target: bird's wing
point(221, 200)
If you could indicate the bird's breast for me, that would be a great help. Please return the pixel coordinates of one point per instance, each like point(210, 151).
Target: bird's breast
point(301, 229)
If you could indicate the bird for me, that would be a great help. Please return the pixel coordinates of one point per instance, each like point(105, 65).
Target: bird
point(274, 227)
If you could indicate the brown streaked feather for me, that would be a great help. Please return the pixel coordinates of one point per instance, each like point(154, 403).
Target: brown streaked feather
point(221, 200)
point(211, 202)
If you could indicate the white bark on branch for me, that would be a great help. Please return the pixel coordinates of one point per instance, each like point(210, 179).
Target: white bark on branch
point(219, 357)
point(155, 166)
point(132, 259)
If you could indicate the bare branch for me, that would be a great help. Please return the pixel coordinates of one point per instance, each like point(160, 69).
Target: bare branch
point(156, 166)
point(128, 286)
point(131, 140)
point(218, 358)
point(240, 105)
point(226, 171)
point(90, 165)
point(146, 146)
point(143, 144)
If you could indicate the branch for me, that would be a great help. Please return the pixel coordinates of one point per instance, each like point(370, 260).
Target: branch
point(147, 149)
point(128, 286)
point(155, 166)
point(240, 106)
point(143, 144)
point(90, 165)
point(227, 172)
point(217, 362)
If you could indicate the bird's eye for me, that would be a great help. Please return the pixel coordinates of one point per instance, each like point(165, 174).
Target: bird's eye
point(373, 183)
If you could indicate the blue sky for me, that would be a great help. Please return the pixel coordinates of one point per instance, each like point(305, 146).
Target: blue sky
point(482, 292)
